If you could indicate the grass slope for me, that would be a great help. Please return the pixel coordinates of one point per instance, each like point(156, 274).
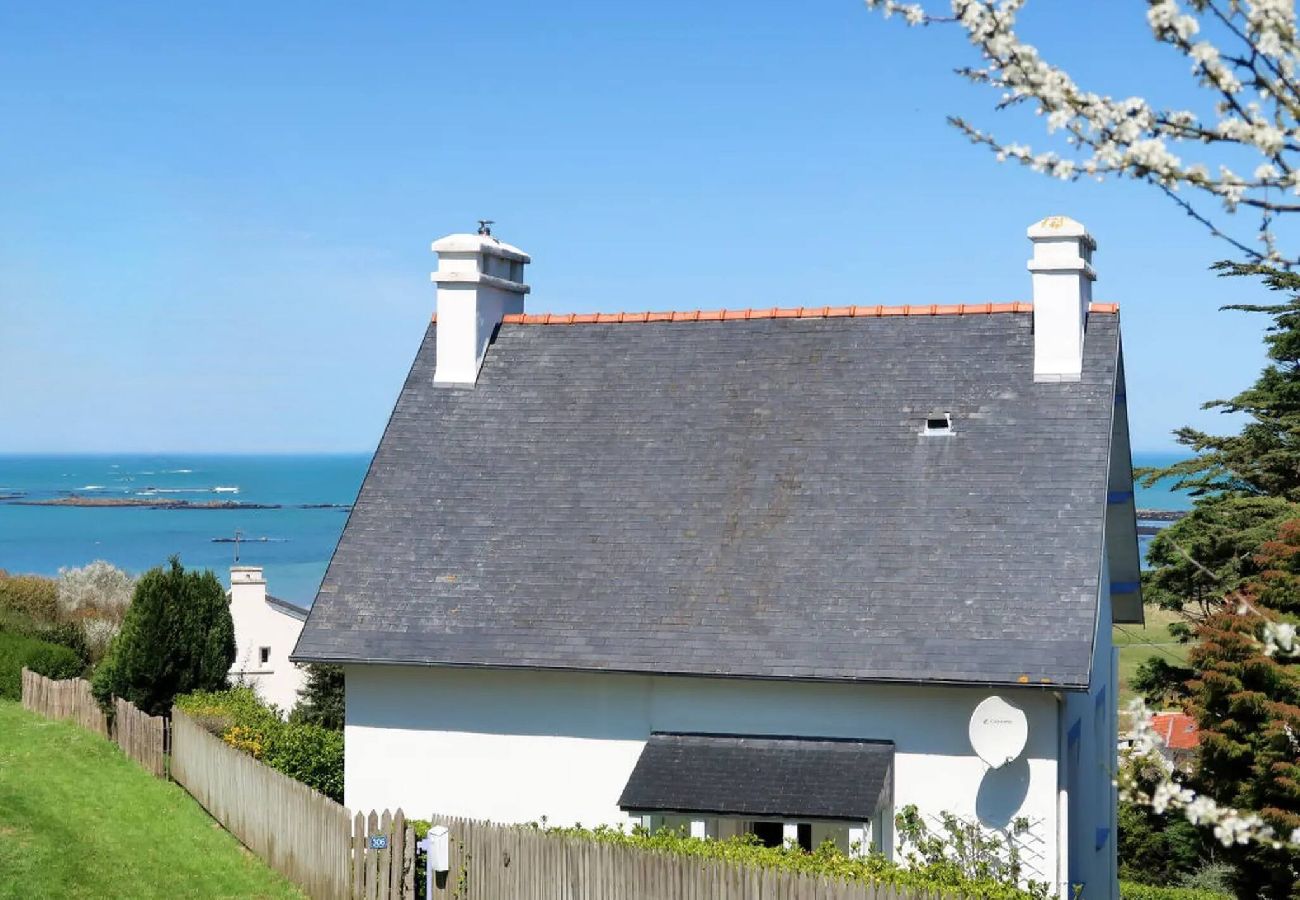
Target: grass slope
point(78, 819)
point(1137, 644)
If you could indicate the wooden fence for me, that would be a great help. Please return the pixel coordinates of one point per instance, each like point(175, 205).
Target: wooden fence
point(304, 835)
point(70, 699)
point(142, 737)
point(495, 861)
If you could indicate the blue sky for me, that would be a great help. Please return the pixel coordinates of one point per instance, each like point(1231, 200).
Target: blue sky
point(216, 218)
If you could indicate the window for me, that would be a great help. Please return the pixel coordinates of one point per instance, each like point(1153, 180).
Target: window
point(938, 423)
point(769, 834)
point(805, 835)
point(263, 655)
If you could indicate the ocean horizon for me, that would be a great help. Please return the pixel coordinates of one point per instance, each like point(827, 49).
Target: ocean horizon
point(303, 498)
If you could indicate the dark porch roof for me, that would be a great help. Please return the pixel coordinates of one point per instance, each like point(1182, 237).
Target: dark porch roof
point(760, 776)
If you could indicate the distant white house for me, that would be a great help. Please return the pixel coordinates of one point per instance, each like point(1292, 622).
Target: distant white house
point(266, 629)
point(781, 571)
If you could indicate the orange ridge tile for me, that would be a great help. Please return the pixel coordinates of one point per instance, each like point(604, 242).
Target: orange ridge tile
point(800, 312)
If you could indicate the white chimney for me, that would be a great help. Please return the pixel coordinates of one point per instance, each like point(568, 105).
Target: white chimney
point(247, 585)
point(479, 280)
point(1063, 276)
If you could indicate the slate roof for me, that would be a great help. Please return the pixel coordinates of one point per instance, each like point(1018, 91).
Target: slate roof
point(803, 778)
point(737, 498)
point(287, 607)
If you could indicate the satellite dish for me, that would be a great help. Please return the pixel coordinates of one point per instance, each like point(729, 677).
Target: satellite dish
point(998, 731)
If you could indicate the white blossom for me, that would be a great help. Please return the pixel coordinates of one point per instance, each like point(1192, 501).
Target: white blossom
point(1109, 137)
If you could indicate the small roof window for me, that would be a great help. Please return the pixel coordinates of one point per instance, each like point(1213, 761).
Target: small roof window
point(938, 423)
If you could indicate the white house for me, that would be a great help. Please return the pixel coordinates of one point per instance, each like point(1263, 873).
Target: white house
point(266, 629)
point(748, 569)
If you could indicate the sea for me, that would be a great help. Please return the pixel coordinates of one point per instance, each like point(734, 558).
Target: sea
point(308, 498)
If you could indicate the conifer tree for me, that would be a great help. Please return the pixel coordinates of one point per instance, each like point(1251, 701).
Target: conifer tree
point(1246, 699)
point(177, 637)
point(321, 700)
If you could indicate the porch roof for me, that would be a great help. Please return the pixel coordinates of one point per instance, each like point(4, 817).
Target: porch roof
point(761, 776)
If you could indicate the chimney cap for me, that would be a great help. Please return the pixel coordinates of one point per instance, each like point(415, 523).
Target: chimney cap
point(1057, 227)
point(479, 243)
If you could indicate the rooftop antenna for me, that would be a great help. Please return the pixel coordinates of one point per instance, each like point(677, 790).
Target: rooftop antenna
point(238, 534)
point(485, 227)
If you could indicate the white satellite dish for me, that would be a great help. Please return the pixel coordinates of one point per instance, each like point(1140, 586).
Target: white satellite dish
point(998, 731)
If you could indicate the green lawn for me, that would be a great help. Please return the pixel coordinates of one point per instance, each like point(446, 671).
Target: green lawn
point(78, 819)
point(1135, 647)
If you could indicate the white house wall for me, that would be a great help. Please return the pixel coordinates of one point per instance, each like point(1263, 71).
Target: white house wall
point(1092, 799)
point(515, 746)
point(257, 625)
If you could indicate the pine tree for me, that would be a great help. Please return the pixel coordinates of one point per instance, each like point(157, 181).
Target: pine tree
point(1263, 460)
point(321, 701)
point(1246, 701)
point(177, 637)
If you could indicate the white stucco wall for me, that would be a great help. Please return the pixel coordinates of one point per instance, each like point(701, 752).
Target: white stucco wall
point(1091, 795)
point(258, 624)
point(518, 745)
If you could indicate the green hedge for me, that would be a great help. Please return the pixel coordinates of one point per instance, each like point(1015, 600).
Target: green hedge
point(1131, 890)
point(307, 753)
point(50, 660)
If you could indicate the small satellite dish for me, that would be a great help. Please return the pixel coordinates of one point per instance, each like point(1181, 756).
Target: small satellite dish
point(998, 731)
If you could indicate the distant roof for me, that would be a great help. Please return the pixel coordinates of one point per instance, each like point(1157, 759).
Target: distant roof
point(1178, 730)
point(284, 606)
point(738, 495)
point(805, 778)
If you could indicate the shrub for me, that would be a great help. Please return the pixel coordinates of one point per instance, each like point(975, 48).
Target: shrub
point(177, 637)
point(50, 660)
point(99, 590)
point(310, 754)
point(31, 595)
point(307, 753)
point(1130, 890)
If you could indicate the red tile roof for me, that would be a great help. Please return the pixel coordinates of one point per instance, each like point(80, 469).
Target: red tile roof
point(800, 312)
point(1177, 730)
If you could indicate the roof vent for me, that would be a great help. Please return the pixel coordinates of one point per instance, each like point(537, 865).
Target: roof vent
point(938, 423)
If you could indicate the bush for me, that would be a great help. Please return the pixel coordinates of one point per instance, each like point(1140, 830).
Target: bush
point(50, 660)
point(307, 753)
point(177, 637)
point(1130, 890)
point(310, 754)
point(33, 596)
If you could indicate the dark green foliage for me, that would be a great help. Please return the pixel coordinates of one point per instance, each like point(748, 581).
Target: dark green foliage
point(306, 752)
point(50, 660)
point(310, 754)
point(177, 637)
point(321, 701)
point(1156, 849)
point(1264, 459)
point(1196, 561)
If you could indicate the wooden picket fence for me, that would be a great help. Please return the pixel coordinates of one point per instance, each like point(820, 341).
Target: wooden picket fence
point(70, 699)
point(141, 736)
point(523, 863)
point(302, 834)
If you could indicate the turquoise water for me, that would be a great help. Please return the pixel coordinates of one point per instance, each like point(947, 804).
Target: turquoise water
point(298, 541)
point(44, 538)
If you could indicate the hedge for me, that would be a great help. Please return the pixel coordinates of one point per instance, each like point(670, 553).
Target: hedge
point(50, 660)
point(1131, 890)
point(307, 753)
